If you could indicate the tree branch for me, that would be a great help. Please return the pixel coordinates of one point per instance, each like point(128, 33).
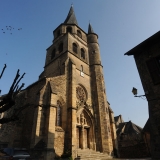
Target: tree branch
point(3, 70)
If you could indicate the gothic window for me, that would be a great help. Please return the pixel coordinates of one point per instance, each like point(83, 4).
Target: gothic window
point(82, 53)
point(69, 29)
point(58, 115)
point(58, 33)
point(74, 48)
point(79, 33)
point(60, 48)
point(53, 54)
point(154, 68)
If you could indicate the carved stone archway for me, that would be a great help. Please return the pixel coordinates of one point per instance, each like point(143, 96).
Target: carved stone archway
point(85, 129)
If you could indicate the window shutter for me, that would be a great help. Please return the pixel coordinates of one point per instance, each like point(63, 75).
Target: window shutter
point(154, 70)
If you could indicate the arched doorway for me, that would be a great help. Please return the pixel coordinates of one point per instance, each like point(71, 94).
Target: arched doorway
point(84, 130)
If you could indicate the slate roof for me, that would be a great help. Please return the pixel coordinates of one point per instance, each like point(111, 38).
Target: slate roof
point(90, 29)
point(128, 128)
point(71, 18)
point(118, 118)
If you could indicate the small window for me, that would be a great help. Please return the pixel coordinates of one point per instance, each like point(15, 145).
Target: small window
point(58, 115)
point(82, 53)
point(58, 33)
point(81, 68)
point(74, 48)
point(154, 69)
point(79, 33)
point(69, 29)
point(60, 48)
point(53, 54)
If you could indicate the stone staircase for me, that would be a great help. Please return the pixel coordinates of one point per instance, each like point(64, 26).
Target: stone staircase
point(89, 154)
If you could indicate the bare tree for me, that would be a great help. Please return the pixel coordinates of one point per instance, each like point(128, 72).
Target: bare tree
point(8, 101)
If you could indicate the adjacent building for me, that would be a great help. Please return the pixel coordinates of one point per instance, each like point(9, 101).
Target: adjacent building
point(147, 58)
point(131, 141)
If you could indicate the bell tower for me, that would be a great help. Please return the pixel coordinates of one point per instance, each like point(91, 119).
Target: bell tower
point(98, 93)
point(75, 73)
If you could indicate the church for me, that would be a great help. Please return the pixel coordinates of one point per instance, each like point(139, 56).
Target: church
point(67, 108)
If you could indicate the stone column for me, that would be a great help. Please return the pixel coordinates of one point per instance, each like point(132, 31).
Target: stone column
point(74, 135)
point(83, 138)
point(38, 135)
point(51, 134)
point(82, 131)
point(71, 107)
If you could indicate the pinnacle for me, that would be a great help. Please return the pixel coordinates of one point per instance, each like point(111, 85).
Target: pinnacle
point(90, 29)
point(71, 18)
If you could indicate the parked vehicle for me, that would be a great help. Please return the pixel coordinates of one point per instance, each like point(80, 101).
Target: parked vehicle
point(14, 154)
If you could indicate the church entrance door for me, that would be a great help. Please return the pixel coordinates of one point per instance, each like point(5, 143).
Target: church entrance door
point(85, 138)
point(82, 138)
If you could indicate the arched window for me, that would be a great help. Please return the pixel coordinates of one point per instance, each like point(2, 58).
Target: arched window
point(81, 68)
point(59, 115)
point(74, 48)
point(53, 54)
point(69, 29)
point(60, 48)
point(79, 33)
point(82, 53)
point(58, 33)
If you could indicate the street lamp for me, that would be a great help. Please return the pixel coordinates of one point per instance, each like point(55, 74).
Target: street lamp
point(134, 91)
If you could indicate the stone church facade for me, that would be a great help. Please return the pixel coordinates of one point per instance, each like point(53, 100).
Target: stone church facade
point(67, 108)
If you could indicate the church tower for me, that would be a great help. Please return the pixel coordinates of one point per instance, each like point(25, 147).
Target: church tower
point(75, 75)
point(75, 55)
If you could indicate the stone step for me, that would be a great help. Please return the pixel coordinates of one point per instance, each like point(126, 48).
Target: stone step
point(89, 154)
point(95, 158)
point(86, 155)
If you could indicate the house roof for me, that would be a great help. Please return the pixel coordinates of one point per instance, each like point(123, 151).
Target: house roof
point(71, 18)
point(128, 128)
point(147, 43)
point(118, 119)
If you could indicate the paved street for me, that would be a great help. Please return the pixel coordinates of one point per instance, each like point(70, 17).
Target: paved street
point(132, 159)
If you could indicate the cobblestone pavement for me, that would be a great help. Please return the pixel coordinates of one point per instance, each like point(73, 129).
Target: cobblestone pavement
point(132, 159)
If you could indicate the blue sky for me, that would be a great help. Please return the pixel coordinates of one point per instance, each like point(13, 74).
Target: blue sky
point(120, 24)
